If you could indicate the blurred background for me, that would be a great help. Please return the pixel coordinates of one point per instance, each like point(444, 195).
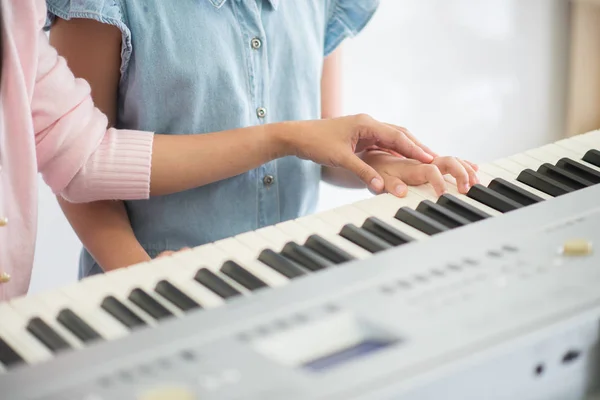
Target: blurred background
point(479, 79)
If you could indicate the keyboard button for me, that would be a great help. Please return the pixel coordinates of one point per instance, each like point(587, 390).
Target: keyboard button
point(242, 276)
point(564, 177)
point(327, 249)
point(514, 192)
point(45, 334)
point(593, 157)
point(543, 183)
point(492, 199)
point(8, 356)
point(211, 281)
point(281, 264)
point(465, 210)
point(152, 307)
point(305, 257)
point(122, 313)
point(442, 215)
point(172, 293)
point(420, 221)
point(579, 169)
point(386, 232)
point(77, 326)
point(364, 239)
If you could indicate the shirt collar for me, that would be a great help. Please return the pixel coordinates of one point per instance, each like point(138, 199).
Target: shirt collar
point(219, 3)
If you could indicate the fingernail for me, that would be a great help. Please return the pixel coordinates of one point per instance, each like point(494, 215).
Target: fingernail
point(466, 187)
point(400, 189)
point(376, 183)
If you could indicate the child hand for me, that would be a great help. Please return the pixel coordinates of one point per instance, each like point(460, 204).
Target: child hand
point(399, 172)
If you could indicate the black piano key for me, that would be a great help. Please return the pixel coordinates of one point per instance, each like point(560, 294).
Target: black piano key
point(364, 239)
point(8, 356)
point(327, 249)
point(583, 171)
point(170, 292)
point(565, 177)
point(45, 334)
point(514, 192)
point(122, 313)
point(492, 199)
point(279, 263)
point(386, 232)
point(442, 215)
point(152, 307)
point(420, 221)
point(543, 183)
point(461, 208)
point(77, 326)
point(207, 278)
point(305, 257)
point(593, 157)
point(242, 276)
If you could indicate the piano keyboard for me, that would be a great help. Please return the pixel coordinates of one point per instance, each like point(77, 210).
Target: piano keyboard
point(107, 307)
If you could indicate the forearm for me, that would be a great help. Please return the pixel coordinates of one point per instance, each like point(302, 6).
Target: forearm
point(181, 162)
point(105, 231)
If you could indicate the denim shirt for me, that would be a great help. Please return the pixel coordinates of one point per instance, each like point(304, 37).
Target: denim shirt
point(198, 66)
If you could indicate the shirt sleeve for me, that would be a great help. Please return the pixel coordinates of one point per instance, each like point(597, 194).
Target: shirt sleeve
point(77, 156)
point(346, 19)
point(110, 12)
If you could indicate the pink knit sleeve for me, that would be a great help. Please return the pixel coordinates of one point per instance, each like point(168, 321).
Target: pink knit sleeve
point(77, 156)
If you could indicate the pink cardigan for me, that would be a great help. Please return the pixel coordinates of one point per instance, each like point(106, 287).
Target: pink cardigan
point(48, 124)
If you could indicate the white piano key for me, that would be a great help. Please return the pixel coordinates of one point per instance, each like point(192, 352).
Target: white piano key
point(29, 307)
point(106, 326)
point(96, 288)
point(169, 268)
point(573, 150)
point(453, 190)
point(248, 259)
point(385, 206)
point(331, 233)
point(497, 171)
point(274, 236)
point(591, 139)
point(143, 277)
point(573, 145)
point(14, 333)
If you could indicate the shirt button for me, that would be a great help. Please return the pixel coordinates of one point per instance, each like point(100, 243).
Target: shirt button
point(268, 180)
point(4, 277)
point(261, 112)
point(3, 221)
point(256, 43)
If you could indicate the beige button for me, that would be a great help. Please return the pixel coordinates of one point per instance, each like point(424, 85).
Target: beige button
point(4, 277)
point(256, 43)
point(3, 221)
point(168, 393)
point(577, 247)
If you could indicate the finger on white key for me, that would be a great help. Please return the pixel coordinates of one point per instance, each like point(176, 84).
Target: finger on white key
point(331, 233)
point(30, 308)
point(499, 172)
point(248, 259)
point(13, 330)
point(453, 190)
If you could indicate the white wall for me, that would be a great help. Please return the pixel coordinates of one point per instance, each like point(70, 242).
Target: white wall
point(479, 79)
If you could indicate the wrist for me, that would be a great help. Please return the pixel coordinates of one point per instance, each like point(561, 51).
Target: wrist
point(280, 138)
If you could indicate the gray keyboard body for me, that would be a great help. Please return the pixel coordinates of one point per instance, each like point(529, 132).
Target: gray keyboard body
point(487, 311)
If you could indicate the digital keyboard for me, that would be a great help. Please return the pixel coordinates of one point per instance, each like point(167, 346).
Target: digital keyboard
point(494, 294)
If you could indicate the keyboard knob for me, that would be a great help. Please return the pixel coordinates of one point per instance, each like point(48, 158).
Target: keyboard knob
point(168, 393)
point(577, 247)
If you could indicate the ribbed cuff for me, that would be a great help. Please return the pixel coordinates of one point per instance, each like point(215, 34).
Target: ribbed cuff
point(119, 169)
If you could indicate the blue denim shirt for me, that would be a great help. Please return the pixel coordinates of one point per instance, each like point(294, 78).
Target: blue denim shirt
point(198, 66)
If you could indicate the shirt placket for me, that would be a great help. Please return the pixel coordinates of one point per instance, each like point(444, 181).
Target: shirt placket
point(256, 47)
